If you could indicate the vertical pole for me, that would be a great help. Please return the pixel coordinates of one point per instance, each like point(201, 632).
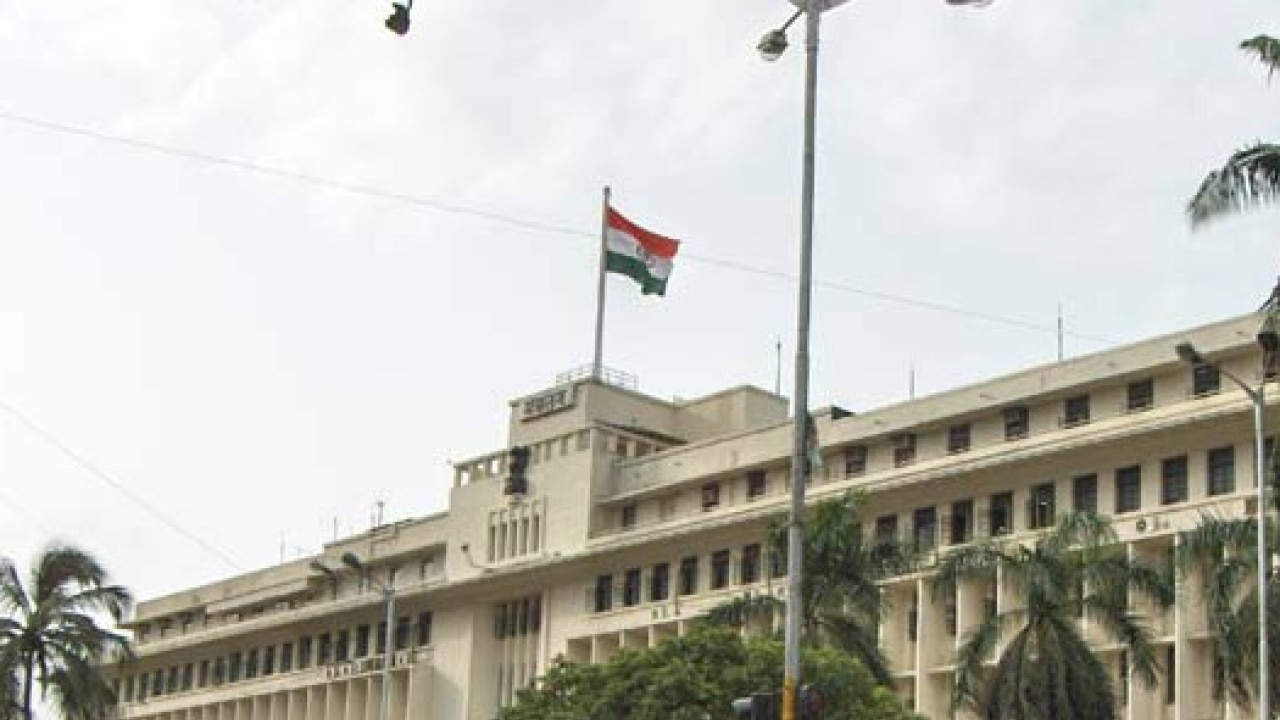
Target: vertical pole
point(1059, 332)
point(777, 372)
point(795, 530)
point(1264, 559)
point(597, 361)
point(384, 712)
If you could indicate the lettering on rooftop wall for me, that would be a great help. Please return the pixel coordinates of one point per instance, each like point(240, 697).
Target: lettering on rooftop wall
point(551, 401)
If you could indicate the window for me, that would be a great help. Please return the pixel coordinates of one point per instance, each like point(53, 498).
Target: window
point(913, 620)
point(1222, 471)
point(1128, 489)
point(603, 593)
point(1084, 493)
point(886, 529)
point(304, 652)
point(924, 528)
point(286, 657)
point(1173, 480)
point(710, 496)
point(251, 664)
point(233, 669)
point(660, 582)
point(157, 683)
point(362, 641)
point(425, 620)
point(173, 683)
point(1205, 380)
point(1001, 514)
point(269, 660)
point(342, 649)
point(750, 567)
point(1042, 506)
point(381, 638)
point(628, 516)
point(855, 461)
point(1140, 395)
point(689, 576)
point(1170, 675)
point(219, 671)
point(1016, 422)
point(1076, 411)
point(961, 521)
point(631, 587)
point(904, 449)
point(719, 569)
point(958, 438)
point(403, 630)
point(202, 678)
point(755, 484)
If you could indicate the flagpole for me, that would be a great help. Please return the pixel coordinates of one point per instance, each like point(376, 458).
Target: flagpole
point(597, 362)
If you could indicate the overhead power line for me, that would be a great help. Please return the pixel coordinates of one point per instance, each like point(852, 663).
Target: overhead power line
point(509, 220)
point(105, 477)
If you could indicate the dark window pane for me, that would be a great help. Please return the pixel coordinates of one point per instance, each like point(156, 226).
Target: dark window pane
point(1222, 471)
point(1084, 493)
point(1128, 489)
point(1173, 480)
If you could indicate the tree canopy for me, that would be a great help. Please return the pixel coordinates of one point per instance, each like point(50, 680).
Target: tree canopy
point(50, 636)
point(1251, 176)
point(696, 677)
point(1047, 670)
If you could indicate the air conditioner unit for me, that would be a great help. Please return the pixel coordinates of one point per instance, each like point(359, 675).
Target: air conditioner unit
point(1144, 525)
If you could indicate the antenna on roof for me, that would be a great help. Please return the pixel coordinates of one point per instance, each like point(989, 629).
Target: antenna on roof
point(777, 372)
point(1060, 333)
point(911, 381)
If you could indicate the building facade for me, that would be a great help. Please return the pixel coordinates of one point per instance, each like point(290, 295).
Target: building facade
point(612, 519)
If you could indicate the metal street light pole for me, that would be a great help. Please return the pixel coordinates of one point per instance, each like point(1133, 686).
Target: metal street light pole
point(1188, 353)
point(389, 601)
point(771, 47)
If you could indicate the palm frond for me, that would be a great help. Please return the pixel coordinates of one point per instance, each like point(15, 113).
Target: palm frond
point(1266, 49)
point(1250, 178)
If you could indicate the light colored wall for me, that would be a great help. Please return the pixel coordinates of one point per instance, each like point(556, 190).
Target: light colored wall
point(728, 434)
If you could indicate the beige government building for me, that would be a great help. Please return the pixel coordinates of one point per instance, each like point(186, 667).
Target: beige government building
point(634, 514)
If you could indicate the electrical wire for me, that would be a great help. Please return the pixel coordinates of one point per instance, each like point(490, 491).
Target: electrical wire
point(105, 477)
point(512, 221)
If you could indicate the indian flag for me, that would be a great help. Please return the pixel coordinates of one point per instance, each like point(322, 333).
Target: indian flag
point(639, 254)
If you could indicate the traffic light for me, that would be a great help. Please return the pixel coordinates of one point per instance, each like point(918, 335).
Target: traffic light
point(398, 21)
point(809, 703)
point(757, 706)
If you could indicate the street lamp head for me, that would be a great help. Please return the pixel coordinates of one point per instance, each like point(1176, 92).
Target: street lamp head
point(398, 20)
point(772, 45)
point(1187, 353)
point(350, 560)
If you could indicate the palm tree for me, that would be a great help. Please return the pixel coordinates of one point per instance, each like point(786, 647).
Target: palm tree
point(1250, 177)
point(1047, 670)
point(49, 636)
point(841, 599)
point(1220, 554)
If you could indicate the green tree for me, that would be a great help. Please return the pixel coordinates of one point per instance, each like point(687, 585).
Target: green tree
point(49, 635)
point(1220, 556)
point(1047, 671)
point(696, 677)
point(841, 601)
point(1250, 177)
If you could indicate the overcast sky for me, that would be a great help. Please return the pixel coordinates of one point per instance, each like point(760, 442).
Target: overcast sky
point(254, 355)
